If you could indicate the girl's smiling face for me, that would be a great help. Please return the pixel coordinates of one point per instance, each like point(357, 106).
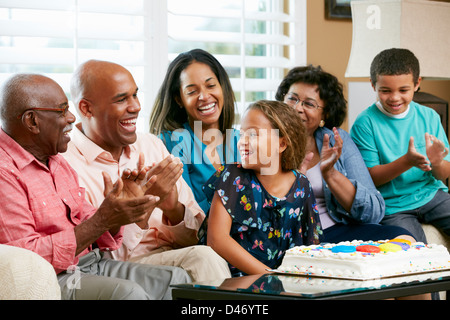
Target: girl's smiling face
point(395, 92)
point(260, 145)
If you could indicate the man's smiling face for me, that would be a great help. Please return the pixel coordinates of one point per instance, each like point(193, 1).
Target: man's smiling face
point(114, 109)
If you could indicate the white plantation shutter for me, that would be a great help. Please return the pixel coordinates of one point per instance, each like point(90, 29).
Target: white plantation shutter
point(52, 37)
point(255, 40)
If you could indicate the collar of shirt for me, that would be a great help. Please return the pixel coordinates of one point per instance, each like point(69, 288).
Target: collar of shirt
point(92, 151)
point(19, 155)
point(394, 116)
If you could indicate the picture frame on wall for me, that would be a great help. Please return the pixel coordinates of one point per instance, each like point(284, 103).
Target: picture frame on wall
point(338, 9)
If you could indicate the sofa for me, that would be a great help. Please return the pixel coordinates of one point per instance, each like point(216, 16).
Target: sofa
point(24, 275)
point(435, 236)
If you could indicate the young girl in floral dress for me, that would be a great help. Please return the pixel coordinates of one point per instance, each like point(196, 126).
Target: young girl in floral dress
point(264, 206)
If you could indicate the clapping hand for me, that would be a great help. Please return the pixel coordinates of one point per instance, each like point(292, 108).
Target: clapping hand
point(158, 181)
point(168, 171)
point(136, 182)
point(125, 201)
point(436, 150)
point(330, 155)
point(416, 159)
point(133, 184)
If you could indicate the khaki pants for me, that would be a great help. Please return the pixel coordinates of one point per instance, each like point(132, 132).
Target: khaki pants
point(201, 262)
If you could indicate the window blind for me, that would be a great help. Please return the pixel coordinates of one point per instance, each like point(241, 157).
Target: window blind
point(255, 40)
point(53, 37)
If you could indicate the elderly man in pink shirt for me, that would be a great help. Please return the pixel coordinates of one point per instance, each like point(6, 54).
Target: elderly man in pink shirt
point(106, 140)
point(43, 208)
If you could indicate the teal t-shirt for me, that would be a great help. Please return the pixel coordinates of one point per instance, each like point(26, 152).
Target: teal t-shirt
point(382, 139)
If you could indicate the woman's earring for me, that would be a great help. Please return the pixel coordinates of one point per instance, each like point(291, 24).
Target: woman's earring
point(322, 123)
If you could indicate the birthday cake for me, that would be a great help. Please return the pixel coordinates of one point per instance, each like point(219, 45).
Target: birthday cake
point(363, 260)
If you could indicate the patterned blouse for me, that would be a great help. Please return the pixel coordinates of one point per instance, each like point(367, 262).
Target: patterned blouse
point(266, 226)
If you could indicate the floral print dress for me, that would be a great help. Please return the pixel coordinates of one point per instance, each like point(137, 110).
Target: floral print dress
point(266, 226)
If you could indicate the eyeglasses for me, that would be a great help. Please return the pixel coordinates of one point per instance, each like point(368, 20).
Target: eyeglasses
point(292, 100)
point(62, 110)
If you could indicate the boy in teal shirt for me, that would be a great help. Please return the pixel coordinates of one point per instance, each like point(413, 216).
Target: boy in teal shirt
point(405, 146)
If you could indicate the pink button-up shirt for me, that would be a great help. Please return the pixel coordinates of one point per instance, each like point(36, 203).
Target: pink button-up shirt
point(89, 160)
point(40, 206)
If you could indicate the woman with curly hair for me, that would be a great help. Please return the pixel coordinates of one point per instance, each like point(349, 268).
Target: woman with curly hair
point(350, 206)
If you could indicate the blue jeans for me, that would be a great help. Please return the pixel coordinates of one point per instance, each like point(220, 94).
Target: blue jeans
point(365, 232)
point(435, 212)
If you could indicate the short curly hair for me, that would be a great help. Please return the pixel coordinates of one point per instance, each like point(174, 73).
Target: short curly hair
point(330, 91)
point(394, 61)
point(290, 125)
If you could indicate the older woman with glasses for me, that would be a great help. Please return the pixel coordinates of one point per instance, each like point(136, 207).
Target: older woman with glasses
point(350, 206)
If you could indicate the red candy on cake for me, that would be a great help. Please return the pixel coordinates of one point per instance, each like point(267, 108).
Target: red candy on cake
point(368, 248)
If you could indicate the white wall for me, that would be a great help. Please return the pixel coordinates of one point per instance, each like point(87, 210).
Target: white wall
point(360, 96)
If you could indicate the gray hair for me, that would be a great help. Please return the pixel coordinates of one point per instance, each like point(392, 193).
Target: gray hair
point(14, 98)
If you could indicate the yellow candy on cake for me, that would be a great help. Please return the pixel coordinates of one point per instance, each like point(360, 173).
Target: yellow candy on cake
point(389, 247)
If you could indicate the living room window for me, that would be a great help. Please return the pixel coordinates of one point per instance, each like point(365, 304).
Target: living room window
point(255, 40)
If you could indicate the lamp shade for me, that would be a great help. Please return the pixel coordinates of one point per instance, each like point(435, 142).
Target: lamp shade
point(420, 26)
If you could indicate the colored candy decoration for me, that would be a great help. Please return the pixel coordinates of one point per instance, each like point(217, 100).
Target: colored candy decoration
point(401, 240)
point(343, 248)
point(390, 247)
point(404, 246)
point(368, 248)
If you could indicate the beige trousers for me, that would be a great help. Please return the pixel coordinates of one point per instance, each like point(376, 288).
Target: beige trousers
point(201, 262)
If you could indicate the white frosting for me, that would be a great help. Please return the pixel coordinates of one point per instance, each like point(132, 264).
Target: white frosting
point(319, 260)
point(314, 285)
